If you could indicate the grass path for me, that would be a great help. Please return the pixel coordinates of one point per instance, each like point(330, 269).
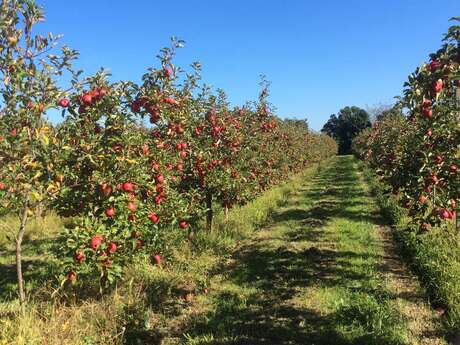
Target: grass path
point(324, 271)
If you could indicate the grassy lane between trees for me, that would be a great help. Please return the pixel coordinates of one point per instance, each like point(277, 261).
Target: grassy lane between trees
point(308, 262)
point(324, 271)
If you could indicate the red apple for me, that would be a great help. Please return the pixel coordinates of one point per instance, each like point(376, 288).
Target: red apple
point(438, 86)
point(453, 168)
point(155, 166)
point(445, 214)
point(159, 178)
point(2, 186)
point(96, 241)
point(157, 259)
point(110, 212)
point(87, 99)
point(167, 72)
point(170, 100)
point(434, 65)
point(154, 218)
point(79, 257)
point(438, 159)
point(427, 112)
point(63, 102)
point(183, 224)
point(426, 103)
point(434, 179)
point(71, 276)
point(128, 187)
point(112, 247)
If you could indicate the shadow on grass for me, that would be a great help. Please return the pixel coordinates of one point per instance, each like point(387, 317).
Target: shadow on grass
point(269, 315)
point(38, 266)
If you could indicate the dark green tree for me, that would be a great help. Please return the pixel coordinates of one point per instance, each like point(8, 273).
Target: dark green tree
point(346, 125)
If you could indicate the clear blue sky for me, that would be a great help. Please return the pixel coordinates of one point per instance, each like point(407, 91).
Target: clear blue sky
point(319, 55)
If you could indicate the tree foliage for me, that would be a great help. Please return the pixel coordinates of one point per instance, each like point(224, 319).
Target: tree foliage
point(346, 125)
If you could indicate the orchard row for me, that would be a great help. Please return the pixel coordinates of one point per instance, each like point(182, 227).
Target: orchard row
point(131, 162)
point(415, 147)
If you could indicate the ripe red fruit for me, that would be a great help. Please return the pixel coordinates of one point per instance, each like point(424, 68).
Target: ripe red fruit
point(438, 86)
point(438, 159)
point(427, 112)
point(154, 218)
point(182, 154)
point(132, 206)
point(426, 103)
point(159, 178)
point(128, 187)
point(167, 72)
point(63, 102)
point(155, 166)
point(14, 132)
point(110, 212)
point(170, 100)
point(434, 65)
point(183, 224)
point(434, 179)
point(445, 214)
point(79, 257)
point(103, 91)
point(135, 106)
point(112, 247)
point(87, 99)
point(453, 168)
point(157, 259)
point(179, 129)
point(71, 276)
point(2, 186)
point(197, 130)
point(159, 188)
point(158, 199)
point(429, 132)
point(96, 241)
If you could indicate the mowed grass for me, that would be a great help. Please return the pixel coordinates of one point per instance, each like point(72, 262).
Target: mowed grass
point(302, 264)
point(314, 275)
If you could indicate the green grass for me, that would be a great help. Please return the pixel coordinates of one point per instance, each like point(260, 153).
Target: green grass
point(434, 256)
point(311, 276)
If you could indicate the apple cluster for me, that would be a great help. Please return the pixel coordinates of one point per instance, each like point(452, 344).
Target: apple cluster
point(417, 149)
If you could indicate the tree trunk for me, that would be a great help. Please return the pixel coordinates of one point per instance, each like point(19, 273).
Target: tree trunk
point(22, 229)
point(209, 213)
point(226, 213)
